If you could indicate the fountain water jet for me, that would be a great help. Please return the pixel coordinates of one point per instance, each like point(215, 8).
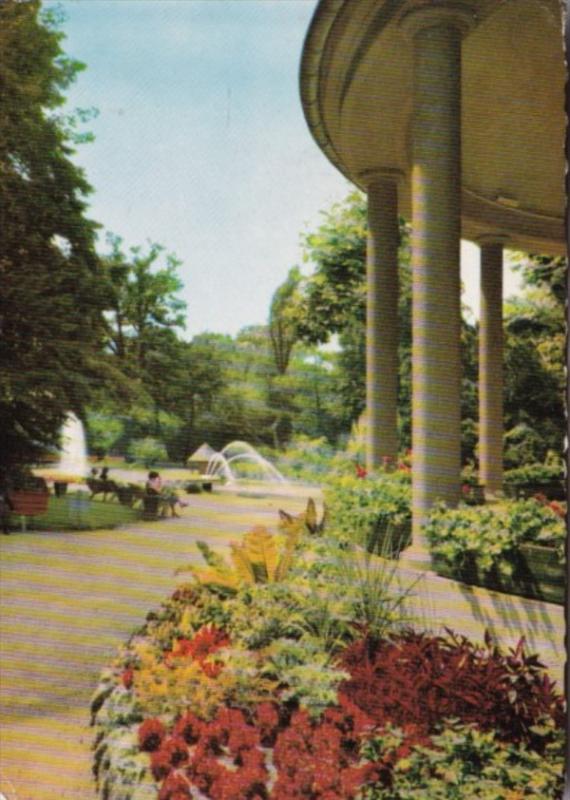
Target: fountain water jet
point(225, 463)
point(73, 454)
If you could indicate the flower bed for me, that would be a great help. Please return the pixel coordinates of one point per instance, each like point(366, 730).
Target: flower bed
point(518, 549)
point(291, 674)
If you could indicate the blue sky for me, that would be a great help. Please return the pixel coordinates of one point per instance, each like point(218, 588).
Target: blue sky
point(201, 144)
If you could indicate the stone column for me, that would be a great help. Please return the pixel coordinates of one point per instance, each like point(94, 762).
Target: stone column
point(436, 226)
point(382, 318)
point(491, 364)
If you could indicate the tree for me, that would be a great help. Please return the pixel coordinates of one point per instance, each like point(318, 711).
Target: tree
point(283, 321)
point(534, 358)
point(332, 300)
point(144, 301)
point(51, 324)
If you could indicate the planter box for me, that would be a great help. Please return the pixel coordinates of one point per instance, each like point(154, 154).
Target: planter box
point(537, 574)
point(552, 491)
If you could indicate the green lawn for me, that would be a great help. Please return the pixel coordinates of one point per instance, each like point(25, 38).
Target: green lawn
point(76, 512)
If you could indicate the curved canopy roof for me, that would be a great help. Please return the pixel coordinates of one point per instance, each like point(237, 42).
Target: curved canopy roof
point(356, 88)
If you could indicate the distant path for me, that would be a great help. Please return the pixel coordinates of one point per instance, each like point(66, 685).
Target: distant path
point(67, 601)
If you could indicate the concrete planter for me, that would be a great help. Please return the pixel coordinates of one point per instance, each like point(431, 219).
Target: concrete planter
point(537, 574)
point(552, 491)
point(388, 539)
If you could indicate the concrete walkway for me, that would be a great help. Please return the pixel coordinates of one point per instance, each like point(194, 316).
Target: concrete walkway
point(67, 602)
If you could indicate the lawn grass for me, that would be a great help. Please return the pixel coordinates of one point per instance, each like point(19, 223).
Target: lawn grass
point(76, 512)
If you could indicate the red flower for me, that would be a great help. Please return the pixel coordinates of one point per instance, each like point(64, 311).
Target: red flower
point(360, 471)
point(176, 749)
point(212, 670)
point(268, 722)
point(175, 787)
point(557, 508)
point(151, 733)
point(189, 727)
point(127, 678)
point(207, 641)
point(160, 764)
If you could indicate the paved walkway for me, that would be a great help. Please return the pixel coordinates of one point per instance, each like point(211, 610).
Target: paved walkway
point(67, 601)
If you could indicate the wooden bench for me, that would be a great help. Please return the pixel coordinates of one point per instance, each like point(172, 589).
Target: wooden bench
point(206, 482)
point(28, 503)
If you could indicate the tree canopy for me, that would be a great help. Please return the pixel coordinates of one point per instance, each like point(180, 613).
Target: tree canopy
point(51, 323)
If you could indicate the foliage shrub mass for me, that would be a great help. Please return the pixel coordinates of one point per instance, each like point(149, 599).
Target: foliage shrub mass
point(490, 535)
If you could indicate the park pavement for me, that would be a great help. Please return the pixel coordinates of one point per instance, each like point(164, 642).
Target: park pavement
point(67, 602)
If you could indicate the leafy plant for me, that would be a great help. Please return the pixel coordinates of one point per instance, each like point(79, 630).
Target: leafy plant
point(536, 473)
point(421, 679)
point(368, 512)
point(464, 762)
point(306, 673)
point(307, 522)
point(261, 557)
point(489, 536)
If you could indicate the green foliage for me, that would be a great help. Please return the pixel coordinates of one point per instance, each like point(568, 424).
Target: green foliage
point(103, 431)
point(370, 511)
point(147, 451)
point(535, 380)
point(375, 591)
point(263, 613)
point(536, 474)
point(51, 352)
point(282, 322)
point(466, 763)
point(489, 536)
point(305, 459)
point(307, 673)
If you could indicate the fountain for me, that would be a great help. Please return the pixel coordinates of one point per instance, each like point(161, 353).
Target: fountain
point(227, 463)
point(73, 454)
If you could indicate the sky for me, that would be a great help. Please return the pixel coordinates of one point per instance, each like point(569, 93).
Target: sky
point(201, 144)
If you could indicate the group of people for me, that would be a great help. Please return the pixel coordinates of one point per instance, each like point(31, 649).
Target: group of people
point(100, 476)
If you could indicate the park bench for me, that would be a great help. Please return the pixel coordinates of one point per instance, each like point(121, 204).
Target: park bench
point(97, 486)
point(206, 482)
point(28, 503)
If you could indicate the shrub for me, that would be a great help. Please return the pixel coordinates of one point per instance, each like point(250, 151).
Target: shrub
point(147, 451)
point(539, 474)
point(489, 535)
point(422, 679)
point(464, 762)
point(366, 510)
